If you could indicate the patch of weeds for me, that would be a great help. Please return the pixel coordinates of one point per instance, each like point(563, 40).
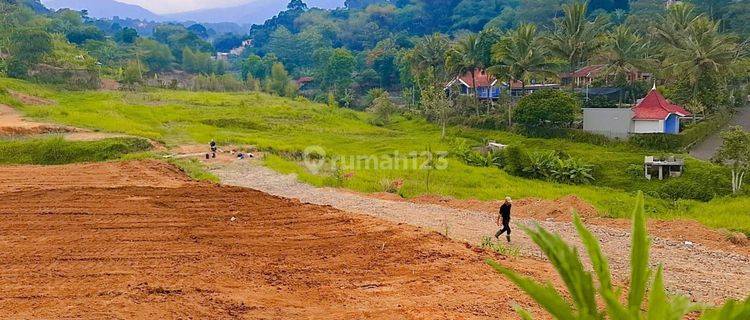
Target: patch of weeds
point(499, 247)
point(195, 170)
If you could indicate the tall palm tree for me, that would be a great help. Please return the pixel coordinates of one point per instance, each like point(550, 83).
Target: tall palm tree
point(695, 49)
point(429, 52)
point(576, 39)
point(626, 52)
point(519, 56)
point(467, 56)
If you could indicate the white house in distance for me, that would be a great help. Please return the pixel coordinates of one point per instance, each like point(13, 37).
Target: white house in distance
point(652, 114)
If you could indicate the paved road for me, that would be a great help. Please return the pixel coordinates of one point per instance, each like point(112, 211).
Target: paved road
point(706, 149)
point(702, 273)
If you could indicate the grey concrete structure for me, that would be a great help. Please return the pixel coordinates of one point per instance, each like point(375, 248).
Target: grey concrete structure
point(611, 122)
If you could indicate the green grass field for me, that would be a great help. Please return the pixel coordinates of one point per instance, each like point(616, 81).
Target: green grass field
point(289, 126)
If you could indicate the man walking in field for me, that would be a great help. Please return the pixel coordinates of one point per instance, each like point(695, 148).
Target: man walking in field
point(505, 215)
point(213, 148)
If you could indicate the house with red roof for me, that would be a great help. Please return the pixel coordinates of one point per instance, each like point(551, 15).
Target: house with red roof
point(656, 114)
point(487, 86)
point(652, 114)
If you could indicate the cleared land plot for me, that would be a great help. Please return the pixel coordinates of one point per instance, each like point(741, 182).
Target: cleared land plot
point(138, 240)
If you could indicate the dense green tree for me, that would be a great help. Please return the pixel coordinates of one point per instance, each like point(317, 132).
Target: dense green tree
point(735, 152)
point(279, 81)
point(199, 30)
point(155, 55)
point(362, 4)
point(82, 34)
point(28, 47)
point(133, 72)
point(336, 73)
point(473, 15)
point(547, 108)
point(127, 35)
point(296, 5)
point(227, 42)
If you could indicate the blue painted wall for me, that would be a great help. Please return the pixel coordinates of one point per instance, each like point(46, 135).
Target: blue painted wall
point(672, 124)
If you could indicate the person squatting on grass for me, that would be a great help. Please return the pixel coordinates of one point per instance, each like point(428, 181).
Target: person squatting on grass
point(505, 214)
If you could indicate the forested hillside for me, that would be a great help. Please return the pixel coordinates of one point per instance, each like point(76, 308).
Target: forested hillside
point(405, 51)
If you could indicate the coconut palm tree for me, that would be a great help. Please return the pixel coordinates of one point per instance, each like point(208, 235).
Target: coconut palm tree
point(576, 39)
point(626, 52)
point(521, 56)
point(429, 52)
point(695, 50)
point(467, 56)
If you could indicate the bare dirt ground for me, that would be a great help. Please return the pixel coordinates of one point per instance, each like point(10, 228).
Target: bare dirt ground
point(13, 125)
point(137, 240)
point(707, 271)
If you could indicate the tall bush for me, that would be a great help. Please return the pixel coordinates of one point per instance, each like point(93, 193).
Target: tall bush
point(547, 108)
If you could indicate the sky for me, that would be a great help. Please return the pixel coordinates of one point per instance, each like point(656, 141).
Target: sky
point(172, 6)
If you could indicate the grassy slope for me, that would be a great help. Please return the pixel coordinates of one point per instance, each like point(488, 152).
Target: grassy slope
point(55, 150)
point(177, 117)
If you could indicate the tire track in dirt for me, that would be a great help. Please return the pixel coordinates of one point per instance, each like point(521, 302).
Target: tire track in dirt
point(702, 273)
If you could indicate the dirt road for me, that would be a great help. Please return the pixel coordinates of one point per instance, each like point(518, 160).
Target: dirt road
point(14, 125)
point(136, 240)
point(708, 148)
point(704, 273)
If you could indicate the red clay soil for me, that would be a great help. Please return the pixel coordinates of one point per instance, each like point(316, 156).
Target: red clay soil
point(562, 209)
point(138, 240)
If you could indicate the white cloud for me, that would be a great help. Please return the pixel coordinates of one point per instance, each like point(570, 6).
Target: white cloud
point(171, 6)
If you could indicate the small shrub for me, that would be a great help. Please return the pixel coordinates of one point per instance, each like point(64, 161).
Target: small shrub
point(516, 160)
point(635, 171)
point(391, 185)
point(555, 167)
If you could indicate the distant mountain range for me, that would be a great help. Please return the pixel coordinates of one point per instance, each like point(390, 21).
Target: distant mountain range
point(105, 9)
point(253, 12)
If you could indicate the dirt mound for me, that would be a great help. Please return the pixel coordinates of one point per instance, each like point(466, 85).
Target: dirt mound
point(147, 173)
point(560, 209)
point(29, 99)
point(115, 241)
